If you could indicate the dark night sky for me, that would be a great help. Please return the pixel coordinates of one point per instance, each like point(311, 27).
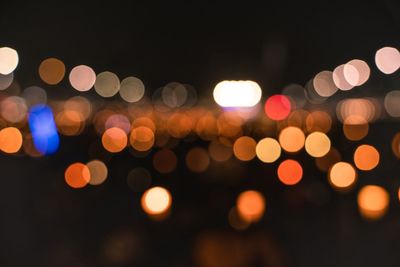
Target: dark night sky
point(44, 223)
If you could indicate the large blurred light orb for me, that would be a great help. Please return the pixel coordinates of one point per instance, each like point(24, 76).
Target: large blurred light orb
point(156, 200)
point(237, 93)
point(387, 59)
point(373, 202)
point(8, 60)
point(277, 107)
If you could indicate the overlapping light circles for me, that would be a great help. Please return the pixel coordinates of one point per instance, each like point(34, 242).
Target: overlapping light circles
point(342, 176)
point(107, 84)
point(77, 175)
point(277, 107)
point(156, 200)
point(291, 139)
point(324, 85)
point(132, 89)
point(8, 60)
point(373, 202)
point(251, 205)
point(98, 172)
point(82, 78)
point(141, 138)
point(268, 150)
point(356, 72)
point(114, 139)
point(237, 93)
point(387, 59)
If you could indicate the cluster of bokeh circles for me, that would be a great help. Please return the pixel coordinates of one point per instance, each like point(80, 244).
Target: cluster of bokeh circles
point(241, 128)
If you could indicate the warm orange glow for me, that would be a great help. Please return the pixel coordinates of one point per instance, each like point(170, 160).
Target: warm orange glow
point(98, 172)
point(318, 121)
point(69, 122)
point(342, 175)
point(317, 144)
point(236, 221)
point(179, 125)
point(141, 138)
point(164, 161)
point(291, 139)
point(244, 148)
point(268, 150)
point(373, 202)
point(156, 200)
point(197, 159)
point(10, 140)
point(290, 172)
point(77, 175)
point(13, 109)
point(251, 205)
point(114, 140)
point(220, 152)
point(396, 145)
point(52, 71)
point(355, 128)
point(366, 157)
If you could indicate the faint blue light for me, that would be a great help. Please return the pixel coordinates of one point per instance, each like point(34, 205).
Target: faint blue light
point(43, 129)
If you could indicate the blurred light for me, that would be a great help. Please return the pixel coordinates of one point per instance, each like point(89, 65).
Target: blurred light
point(43, 129)
point(317, 144)
point(268, 150)
point(164, 161)
point(251, 205)
point(236, 221)
point(132, 89)
point(229, 125)
point(69, 123)
point(318, 121)
point(52, 71)
point(82, 78)
point(174, 95)
point(8, 60)
point(107, 84)
point(139, 179)
point(77, 175)
point(156, 200)
point(13, 109)
point(342, 176)
point(387, 59)
point(323, 84)
point(142, 138)
point(197, 159)
point(179, 125)
point(244, 148)
point(396, 145)
point(220, 152)
point(339, 79)
point(6, 80)
point(277, 107)
point(80, 105)
point(296, 94)
point(291, 139)
point(98, 172)
point(360, 107)
point(237, 93)
point(120, 121)
point(356, 72)
point(366, 157)
point(144, 121)
point(290, 172)
point(114, 140)
point(391, 103)
point(373, 202)
point(355, 128)
point(325, 162)
point(10, 140)
point(29, 147)
point(34, 95)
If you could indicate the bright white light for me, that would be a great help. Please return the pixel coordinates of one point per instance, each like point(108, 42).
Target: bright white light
point(237, 93)
point(8, 60)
